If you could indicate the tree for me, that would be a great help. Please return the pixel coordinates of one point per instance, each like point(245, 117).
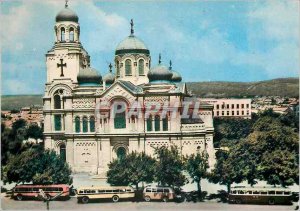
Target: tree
point(169, 167)
point(225, 171)
point(280, 167)
point(38, 167)
point(196, 166)
point(34, 131)
point(131, 170)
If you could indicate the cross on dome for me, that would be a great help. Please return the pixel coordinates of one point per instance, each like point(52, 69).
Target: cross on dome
point(132, 30)
point(110, 67)
point(66, 5)
point(170, 68)
point(159, 59)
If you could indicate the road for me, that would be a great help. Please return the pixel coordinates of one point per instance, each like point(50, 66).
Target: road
point(10, 204)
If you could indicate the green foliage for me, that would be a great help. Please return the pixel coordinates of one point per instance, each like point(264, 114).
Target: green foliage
point(279, 167)
point(169, 167)
point(230, 130)
point(38, 167)
point(269, 152)
point(197, 166)
point(131, 170)
point(226, 170)
point(34, 131)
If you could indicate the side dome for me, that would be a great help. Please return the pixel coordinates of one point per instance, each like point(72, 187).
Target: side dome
point(176, 77)
point(160, 73)
point(89, 76)
point(109, 78)
point(67, 14)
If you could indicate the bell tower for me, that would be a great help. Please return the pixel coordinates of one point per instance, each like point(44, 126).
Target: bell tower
point(67, 55)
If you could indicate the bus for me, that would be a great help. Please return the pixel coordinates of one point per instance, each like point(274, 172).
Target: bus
point(260, 195)
point(85, 194)
point(20, 192)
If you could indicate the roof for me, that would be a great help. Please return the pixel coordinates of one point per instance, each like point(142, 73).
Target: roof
point(67, 14)
point(104, 187)
point(133, 88)
point(131, 44)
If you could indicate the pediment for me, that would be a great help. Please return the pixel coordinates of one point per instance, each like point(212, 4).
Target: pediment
point(117, 90)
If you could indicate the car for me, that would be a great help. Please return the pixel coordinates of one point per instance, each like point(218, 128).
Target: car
point(158, 193)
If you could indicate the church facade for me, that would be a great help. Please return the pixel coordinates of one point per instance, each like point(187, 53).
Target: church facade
point(78, 102)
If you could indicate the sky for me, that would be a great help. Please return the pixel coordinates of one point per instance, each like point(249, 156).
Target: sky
point(210, 40)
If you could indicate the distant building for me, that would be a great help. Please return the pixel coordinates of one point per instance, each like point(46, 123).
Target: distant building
point(230, 107)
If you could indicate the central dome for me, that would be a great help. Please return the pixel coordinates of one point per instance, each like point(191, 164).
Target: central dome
point(67, 14)
point(131, 44)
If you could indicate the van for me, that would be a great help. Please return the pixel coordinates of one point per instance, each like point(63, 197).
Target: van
point(158, 193)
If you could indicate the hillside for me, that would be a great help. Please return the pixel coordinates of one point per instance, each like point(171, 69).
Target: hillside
point(288, 87)
point(285, 87)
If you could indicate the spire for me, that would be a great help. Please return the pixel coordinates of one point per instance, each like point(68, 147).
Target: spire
point(110, 67)
point(170, 68)
point(132, 30)
point(66, 5)
point(159, 59)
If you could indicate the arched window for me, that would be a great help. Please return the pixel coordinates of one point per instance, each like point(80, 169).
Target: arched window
point(62, 152)
point(121, 153)
point(77, 124)
point(92, 124)
point(71, 34)
point(141, 67)
point(57, 103)
point(85, 124)
point(120, 120)
point(128, 67)
point(165, 124)
point(149, 123)
point(157, 123)
point(118, 68)
point(62, 34)
point(198, 149)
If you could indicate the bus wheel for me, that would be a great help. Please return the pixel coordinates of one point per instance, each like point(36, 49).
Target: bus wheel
point(147, 198)
point(271, 202)
point(19, 197)
point(238, 201)
point(85, 200)
point(115, 198)
point(165, 199)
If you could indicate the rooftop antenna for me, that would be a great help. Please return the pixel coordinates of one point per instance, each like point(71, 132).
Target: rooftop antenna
point(132, 30)
point(66, 5)
point(110, 67)
point(159, 58)
point(170, 68)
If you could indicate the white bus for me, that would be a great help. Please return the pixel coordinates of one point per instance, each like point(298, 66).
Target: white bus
point(260, 195)
point(85, 194)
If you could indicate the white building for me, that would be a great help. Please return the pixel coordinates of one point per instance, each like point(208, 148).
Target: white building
point(74, 90)
point(240, 108)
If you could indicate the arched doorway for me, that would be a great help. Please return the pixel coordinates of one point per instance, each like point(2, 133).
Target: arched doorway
point(121, 153)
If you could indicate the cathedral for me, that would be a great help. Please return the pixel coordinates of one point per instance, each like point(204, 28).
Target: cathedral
point(81, 129)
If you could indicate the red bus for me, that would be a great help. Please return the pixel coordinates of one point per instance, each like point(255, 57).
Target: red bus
point(20, 192)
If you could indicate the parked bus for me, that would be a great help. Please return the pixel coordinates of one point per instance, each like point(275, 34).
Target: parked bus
point(158, 193)
point(85, 194)
point(260, 195)
point(20, 192)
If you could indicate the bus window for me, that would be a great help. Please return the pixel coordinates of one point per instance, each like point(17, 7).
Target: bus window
point(234, 192)
point(263, 192)
point(279, 192)
point(35, 189)
point(249, 192)
point(287, 193)
point(108, 191)
point(60, 189)
point(116, 191)
point(255, 192)
point(160, 190)
point(154, 190)
point(128, 190)
point(81, 191)
point(166, 190)
point(148, 190)
point(241, 192)
point(271, 192)
point(101, 191)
